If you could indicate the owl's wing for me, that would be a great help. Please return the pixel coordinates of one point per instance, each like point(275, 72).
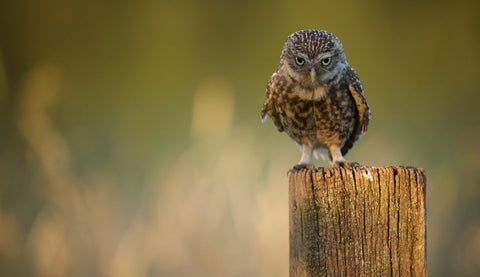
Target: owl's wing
point(356, 90)
point(269, 105)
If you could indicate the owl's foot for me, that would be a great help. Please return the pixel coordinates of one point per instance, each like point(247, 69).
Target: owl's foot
point(346, 164)
point(338, 160)
point(300, 166)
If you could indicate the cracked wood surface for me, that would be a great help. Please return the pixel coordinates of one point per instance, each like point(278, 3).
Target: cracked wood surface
point(361, 221)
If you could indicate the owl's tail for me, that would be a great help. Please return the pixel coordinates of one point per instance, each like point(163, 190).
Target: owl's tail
point(323, 153)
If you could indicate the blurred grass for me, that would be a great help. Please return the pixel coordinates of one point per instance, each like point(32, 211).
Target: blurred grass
point(131, 143)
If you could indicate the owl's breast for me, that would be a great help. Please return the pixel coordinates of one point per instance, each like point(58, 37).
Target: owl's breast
point(334, 117)
point(297, 116)
point(316, 117)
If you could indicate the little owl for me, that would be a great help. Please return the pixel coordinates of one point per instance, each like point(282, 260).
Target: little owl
point(316, 97)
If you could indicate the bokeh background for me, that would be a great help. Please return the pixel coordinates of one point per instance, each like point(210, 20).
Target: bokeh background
point(131, 142)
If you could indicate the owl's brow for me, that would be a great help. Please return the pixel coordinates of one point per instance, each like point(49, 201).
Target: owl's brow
point(324, 55)
point(301, 55)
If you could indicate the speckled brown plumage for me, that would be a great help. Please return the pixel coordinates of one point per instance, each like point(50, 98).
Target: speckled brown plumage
point(316, 97)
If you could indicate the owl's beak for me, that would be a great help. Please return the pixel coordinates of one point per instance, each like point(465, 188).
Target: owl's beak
point(313, 74)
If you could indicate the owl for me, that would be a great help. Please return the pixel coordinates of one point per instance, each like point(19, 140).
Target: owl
point(316, 97)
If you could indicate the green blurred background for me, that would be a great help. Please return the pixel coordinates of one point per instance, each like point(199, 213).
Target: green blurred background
point(131, 142)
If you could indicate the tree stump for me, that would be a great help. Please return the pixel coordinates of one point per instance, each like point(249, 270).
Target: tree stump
point(361, 221)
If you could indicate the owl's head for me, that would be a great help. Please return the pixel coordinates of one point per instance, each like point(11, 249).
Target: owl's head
point(313, 57)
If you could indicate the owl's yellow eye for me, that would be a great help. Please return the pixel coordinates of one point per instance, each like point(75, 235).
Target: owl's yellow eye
point(326, 61)
point(299, 60)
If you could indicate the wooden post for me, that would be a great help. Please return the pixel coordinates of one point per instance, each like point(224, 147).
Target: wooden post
point(362, 221)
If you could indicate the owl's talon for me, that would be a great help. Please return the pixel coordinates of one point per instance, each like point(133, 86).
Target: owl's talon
point(346, 164)
point(353, 164)
point(298, 167)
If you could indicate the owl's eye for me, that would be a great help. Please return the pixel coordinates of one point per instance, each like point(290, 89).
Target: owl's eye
point(326, 61)
point(299, 60)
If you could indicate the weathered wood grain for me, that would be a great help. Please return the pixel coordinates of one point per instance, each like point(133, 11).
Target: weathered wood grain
point(361, 221)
